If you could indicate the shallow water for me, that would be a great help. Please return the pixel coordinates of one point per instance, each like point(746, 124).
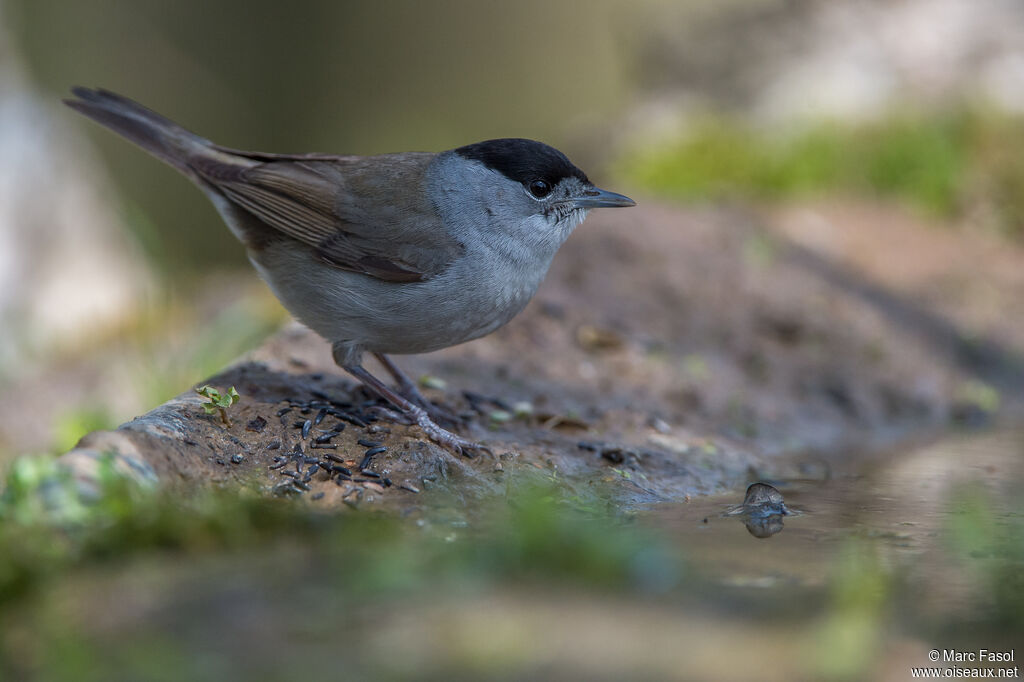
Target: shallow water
point(937, 532)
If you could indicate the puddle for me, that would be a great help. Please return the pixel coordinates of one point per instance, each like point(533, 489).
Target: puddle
point(906, 507)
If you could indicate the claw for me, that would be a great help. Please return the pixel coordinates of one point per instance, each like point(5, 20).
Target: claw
point(446, 438)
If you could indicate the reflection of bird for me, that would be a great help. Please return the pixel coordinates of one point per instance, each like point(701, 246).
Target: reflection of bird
point(399, 253)
point(762, 510)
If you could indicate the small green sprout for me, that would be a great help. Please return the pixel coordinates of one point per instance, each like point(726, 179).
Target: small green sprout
point(218, 402)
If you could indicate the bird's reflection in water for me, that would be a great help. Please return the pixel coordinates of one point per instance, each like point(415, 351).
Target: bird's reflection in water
point(762, 510)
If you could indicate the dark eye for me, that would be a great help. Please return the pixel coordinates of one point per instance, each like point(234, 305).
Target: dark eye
point(540, 189)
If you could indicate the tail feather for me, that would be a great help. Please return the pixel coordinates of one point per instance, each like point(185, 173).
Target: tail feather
point(160, 136)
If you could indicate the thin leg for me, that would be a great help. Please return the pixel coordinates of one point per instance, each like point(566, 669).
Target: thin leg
point(416, 413)
point(408, 389)
point(406, 386)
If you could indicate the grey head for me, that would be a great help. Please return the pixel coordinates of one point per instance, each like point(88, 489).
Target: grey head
point(523, 197)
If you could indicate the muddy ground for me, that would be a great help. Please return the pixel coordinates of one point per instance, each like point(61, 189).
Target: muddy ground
point(670, 352)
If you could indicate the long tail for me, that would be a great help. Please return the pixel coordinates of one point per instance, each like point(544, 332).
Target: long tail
point(159, 136)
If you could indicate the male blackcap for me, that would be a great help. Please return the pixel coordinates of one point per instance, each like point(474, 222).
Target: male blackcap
point(397, 253)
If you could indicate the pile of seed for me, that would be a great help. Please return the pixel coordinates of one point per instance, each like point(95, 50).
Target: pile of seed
point(313, 454)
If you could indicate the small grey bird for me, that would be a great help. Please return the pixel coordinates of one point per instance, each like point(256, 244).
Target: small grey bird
point(397, 253)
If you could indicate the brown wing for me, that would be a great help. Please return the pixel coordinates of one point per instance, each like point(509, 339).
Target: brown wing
point(354, 216)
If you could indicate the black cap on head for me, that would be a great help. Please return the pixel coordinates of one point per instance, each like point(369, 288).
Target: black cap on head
point(523, 160)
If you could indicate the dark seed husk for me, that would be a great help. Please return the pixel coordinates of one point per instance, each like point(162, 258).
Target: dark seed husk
point(367, 443)
point(256, 424)
point(318, 445)
point(349, 417)
point(320, 416)
point(274, 445)
point(306, 426)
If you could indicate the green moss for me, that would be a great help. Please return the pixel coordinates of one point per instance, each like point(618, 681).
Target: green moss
point(947, 164)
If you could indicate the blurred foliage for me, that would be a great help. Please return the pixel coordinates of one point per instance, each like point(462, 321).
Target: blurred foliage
point(990, 547)
point(49, 524)
point(50, 534)
point(178, 345)
point(151, 356)
point(852, 635)
point(326, 574)
point(963, 163)
point(74, 422)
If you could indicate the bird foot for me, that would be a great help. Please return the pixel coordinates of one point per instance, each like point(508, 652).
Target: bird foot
point(409, 412)
point(443, 437)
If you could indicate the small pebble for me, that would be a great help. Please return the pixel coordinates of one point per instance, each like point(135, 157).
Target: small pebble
point(236, 458)
point(430, 381)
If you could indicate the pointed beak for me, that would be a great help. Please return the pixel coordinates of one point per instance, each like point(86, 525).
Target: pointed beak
point(599, 198)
